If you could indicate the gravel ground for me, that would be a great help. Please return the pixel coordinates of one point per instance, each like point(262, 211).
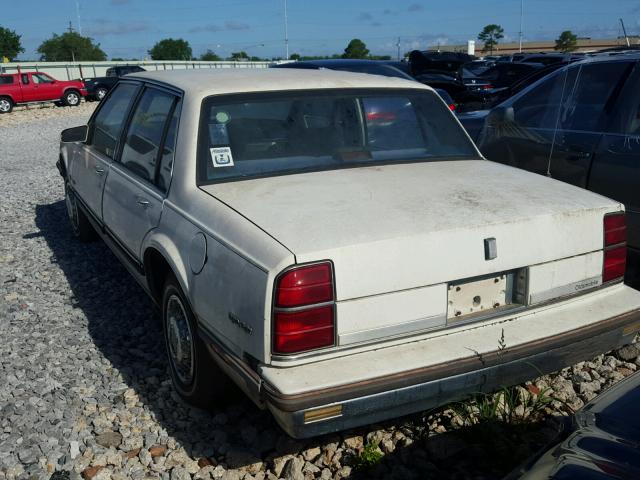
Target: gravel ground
point(84, 388)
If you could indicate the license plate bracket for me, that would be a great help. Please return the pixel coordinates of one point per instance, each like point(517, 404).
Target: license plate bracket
point(480, 296)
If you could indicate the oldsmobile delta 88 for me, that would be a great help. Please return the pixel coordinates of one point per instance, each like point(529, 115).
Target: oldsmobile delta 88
point(335, 245)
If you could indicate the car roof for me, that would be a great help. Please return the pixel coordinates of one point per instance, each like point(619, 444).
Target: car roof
point(341, 61)
point(205, 82)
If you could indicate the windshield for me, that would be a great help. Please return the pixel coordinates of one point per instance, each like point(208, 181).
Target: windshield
point(291, 132)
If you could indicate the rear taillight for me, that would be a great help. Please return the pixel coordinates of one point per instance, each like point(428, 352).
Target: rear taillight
point(615, 247)
point(304, 313)
point(452, 107)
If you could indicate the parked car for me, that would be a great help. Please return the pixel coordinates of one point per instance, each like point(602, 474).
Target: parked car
point(98, 87)
point(375, 67)
point(429, 61)
point(580, 125)
point(600, 442)
point(37, 87)
point(551, 58)
point(335, 245)
point(498, 76)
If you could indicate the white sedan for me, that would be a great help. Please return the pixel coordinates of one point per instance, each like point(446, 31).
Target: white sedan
point(335, 245)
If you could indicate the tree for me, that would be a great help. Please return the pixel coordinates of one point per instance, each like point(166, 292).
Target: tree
point(235, 56)
point(210, 56)
point(10, 45)
point(295, 56)
point(356, 49)
point(70, 46)
point(171, 49)
point(567, 42)
point(490, 36)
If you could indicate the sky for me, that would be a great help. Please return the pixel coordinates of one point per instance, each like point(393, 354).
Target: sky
point(128, 28)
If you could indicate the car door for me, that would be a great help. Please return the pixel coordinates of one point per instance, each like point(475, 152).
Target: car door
point(616, 168)
point(520, 131)
point(137, 183)
point(586, 109)
point(45, 87)
point(90, 167)
point(29, 93)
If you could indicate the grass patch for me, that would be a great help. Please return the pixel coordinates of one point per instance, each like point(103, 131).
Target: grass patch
point(368, 457)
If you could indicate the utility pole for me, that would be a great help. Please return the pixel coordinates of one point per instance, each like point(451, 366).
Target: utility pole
point(398, 45)
point(624, 31)
point(286, 31)
point(78, 15)
point(521, 17)
point(70, 27)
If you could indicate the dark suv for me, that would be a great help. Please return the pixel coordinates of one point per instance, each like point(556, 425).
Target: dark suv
point(580, 125)
point(98, 87)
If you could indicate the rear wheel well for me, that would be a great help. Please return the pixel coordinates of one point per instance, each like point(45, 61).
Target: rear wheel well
point(156, 270)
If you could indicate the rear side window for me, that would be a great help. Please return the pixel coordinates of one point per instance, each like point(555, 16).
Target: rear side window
point(6, 79)
point(291, 132)
point(583, 105)
point(108, 123)
point(25, 79)
point(540, 106)
point(141, 150)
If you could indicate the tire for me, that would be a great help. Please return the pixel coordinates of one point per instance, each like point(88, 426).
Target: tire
point(6, 105)
point(101, 92)
point(194, 374)
point(71, 98)
point(80, 225)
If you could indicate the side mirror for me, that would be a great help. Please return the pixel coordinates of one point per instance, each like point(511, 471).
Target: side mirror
point(500, 115)
point(75, 134)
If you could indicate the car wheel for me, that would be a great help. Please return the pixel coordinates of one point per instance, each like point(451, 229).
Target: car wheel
point(101, 93)
point(6, 105)
point(80, 225)
point(194, 374)
point(71, 98)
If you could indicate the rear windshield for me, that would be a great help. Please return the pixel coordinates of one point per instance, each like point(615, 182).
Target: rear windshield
point(290, 132)
point(6, 79)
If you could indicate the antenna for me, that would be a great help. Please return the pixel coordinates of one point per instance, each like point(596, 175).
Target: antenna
point(624, 31)
point(398, 45)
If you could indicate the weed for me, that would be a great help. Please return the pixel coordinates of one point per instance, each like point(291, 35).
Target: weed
point(369, 456)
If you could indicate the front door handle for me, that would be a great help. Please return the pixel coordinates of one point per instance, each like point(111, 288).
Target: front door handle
point(143, 203)
point(99, 171)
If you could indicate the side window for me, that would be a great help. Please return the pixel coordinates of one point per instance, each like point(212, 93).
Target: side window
point(107, 125)
point(168, 152)
point(25, 79)
point(39, 78)
point(539, 107)
point(141, 150)
point(583, 106)
point(6, 79)
point(627, 119)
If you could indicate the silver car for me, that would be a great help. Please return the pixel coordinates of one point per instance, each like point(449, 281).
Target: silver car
point(334, 245)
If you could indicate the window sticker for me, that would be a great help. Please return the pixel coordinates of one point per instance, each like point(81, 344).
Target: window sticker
point(221, 157)
point(218, 134)
point(222, 117)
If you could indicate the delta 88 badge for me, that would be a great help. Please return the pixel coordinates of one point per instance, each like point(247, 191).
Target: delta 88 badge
point(221, 157)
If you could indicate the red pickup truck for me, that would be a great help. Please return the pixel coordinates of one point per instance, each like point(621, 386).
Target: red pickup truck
point(31, 87)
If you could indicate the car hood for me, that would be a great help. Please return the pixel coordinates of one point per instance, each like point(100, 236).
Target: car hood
point(411, 224)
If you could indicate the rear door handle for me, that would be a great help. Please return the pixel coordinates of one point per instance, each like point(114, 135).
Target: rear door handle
point(99, 171)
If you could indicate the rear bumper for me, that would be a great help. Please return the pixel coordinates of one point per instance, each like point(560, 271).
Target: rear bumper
point(315, 412)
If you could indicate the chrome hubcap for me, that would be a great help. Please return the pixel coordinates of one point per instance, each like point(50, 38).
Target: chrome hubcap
point(180, 340)
point(4, 105)
point(72, 99)
point(101, 93)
